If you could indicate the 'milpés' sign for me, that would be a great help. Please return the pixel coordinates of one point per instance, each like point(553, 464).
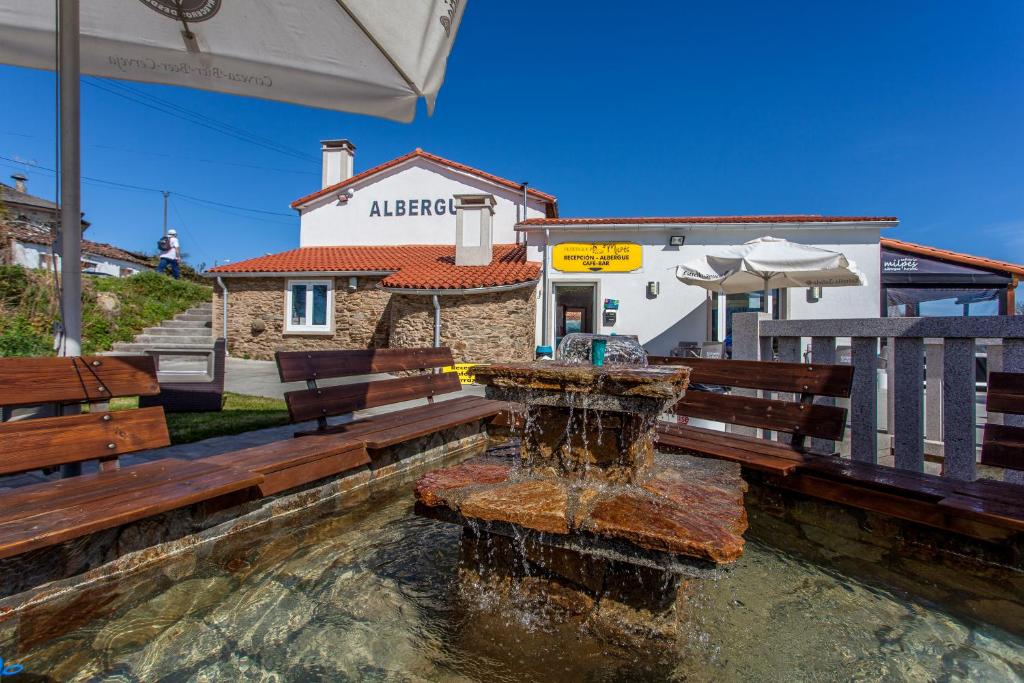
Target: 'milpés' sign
point(412, 207)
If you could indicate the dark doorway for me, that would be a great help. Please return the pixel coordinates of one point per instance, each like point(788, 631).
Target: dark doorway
point(574, 309)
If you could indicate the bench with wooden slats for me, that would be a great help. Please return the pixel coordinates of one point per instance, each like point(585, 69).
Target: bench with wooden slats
point(84, 429)
point(792, 412)
point(320, 403)
point(1003, 445)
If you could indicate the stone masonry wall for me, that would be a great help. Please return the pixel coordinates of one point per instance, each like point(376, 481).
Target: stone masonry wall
point(479, 328)
point(256, 318)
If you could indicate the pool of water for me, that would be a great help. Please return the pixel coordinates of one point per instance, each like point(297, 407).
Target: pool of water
point(370, 595)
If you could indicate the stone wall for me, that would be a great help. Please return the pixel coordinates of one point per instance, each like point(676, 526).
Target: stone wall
point(256, 318)
point(479, 328)
point(494, 327)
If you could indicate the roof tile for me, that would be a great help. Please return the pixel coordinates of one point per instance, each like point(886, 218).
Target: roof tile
point(956, 257)
point(645, 220)
point(419, 153)
point(417, 266)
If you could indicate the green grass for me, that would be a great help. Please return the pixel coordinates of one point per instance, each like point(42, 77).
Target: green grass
point(28, 307)
point(145, 300)
point(241, 413)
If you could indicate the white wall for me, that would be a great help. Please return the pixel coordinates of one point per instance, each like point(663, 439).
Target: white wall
point(328, 222)
point(680, 312)
point(30, 255)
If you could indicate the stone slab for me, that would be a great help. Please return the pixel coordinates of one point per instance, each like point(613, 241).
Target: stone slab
point(686, 507)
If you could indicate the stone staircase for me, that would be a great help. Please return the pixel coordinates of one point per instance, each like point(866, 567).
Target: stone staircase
point(192, 329)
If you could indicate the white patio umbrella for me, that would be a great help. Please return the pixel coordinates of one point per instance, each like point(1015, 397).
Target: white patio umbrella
point(374, 57)
point(769, 263)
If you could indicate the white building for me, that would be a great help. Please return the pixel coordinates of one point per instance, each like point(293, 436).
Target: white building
point(661, 311)
point(26, 235)
point(382, 252)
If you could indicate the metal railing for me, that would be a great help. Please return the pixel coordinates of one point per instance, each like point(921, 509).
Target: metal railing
point(951, 392)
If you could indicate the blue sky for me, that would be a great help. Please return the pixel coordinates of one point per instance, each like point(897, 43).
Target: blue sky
point(913, 109)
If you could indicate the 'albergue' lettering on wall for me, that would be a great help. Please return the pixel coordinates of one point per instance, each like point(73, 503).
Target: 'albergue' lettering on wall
point(412, 207)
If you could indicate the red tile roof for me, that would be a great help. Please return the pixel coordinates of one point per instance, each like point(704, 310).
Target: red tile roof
point(645, 220)
point(956, 257)
point(37, 234)
point(416, 266)
point(419, 153)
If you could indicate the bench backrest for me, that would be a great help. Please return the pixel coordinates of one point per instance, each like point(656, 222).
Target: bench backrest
point(1003, 445)
point(319, 403)
point(792, 411)
point(74, 385)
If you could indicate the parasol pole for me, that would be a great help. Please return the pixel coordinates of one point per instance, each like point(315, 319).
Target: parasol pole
point(70, 178)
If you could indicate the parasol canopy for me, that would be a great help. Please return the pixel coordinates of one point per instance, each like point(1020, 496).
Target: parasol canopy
point(769, 263)
point(374, 57)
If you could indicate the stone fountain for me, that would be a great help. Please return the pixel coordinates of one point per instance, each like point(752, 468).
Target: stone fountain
point(586, 518)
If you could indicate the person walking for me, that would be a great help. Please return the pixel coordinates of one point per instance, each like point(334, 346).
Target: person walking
point(170, 253)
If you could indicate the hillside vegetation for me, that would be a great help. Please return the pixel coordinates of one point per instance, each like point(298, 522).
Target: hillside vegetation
point(113, 309)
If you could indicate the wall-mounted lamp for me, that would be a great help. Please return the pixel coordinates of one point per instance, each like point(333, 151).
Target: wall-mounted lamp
point(813, 294)
point(353, 283)
point(653, 289)
point(676, 240)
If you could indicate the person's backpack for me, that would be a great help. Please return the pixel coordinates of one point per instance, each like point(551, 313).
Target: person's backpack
point(164, 244)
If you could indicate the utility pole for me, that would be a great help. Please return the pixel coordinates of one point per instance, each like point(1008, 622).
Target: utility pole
point(70, 179)
point(166, 194)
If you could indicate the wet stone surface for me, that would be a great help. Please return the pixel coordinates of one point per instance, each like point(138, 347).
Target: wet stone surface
point(684, 506)
point(584, 422)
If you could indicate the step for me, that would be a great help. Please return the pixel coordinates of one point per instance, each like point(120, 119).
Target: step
point(189, 324)
point(135, 347)
point(177, 331)
point(159, 340)
point(195, 317)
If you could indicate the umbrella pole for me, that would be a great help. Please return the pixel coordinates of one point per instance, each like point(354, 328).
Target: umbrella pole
point(70, 179)
point(764, 297)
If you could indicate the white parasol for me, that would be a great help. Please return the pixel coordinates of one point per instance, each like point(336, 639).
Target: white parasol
point(374, 57)
point(769, 263)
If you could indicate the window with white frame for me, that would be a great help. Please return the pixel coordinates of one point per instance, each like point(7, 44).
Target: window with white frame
point(308, 305)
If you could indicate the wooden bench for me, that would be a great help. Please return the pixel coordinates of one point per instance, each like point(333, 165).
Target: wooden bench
point(319, 403)
point(331, 449)
point(47, 513)
point(983, 509)
point(1003, 445)
point(797, 418)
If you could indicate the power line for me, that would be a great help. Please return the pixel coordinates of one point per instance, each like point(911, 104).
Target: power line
point(144, 99)
point(141, 188)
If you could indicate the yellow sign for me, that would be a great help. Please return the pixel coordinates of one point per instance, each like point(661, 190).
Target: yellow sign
point(462, 369)
point(597, 257)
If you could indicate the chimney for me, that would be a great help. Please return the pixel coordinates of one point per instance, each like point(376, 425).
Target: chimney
point(474, 232)
point(339, 157)
point(19, 182)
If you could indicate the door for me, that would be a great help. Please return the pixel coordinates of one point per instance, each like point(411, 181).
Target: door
point(574, 309)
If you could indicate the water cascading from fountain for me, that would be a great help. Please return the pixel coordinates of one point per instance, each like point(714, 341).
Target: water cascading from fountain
point(587, 522)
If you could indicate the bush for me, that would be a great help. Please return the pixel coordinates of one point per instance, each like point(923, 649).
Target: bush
point(28, 308)
point(146, 299)
point(19, 338)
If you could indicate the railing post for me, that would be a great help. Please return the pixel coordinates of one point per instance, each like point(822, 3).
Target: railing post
point(933, 404)
point(823, 350)
point(864, 400)
point(746, 336)
point(958, 409)
point(908, 408)
point(746, 345)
